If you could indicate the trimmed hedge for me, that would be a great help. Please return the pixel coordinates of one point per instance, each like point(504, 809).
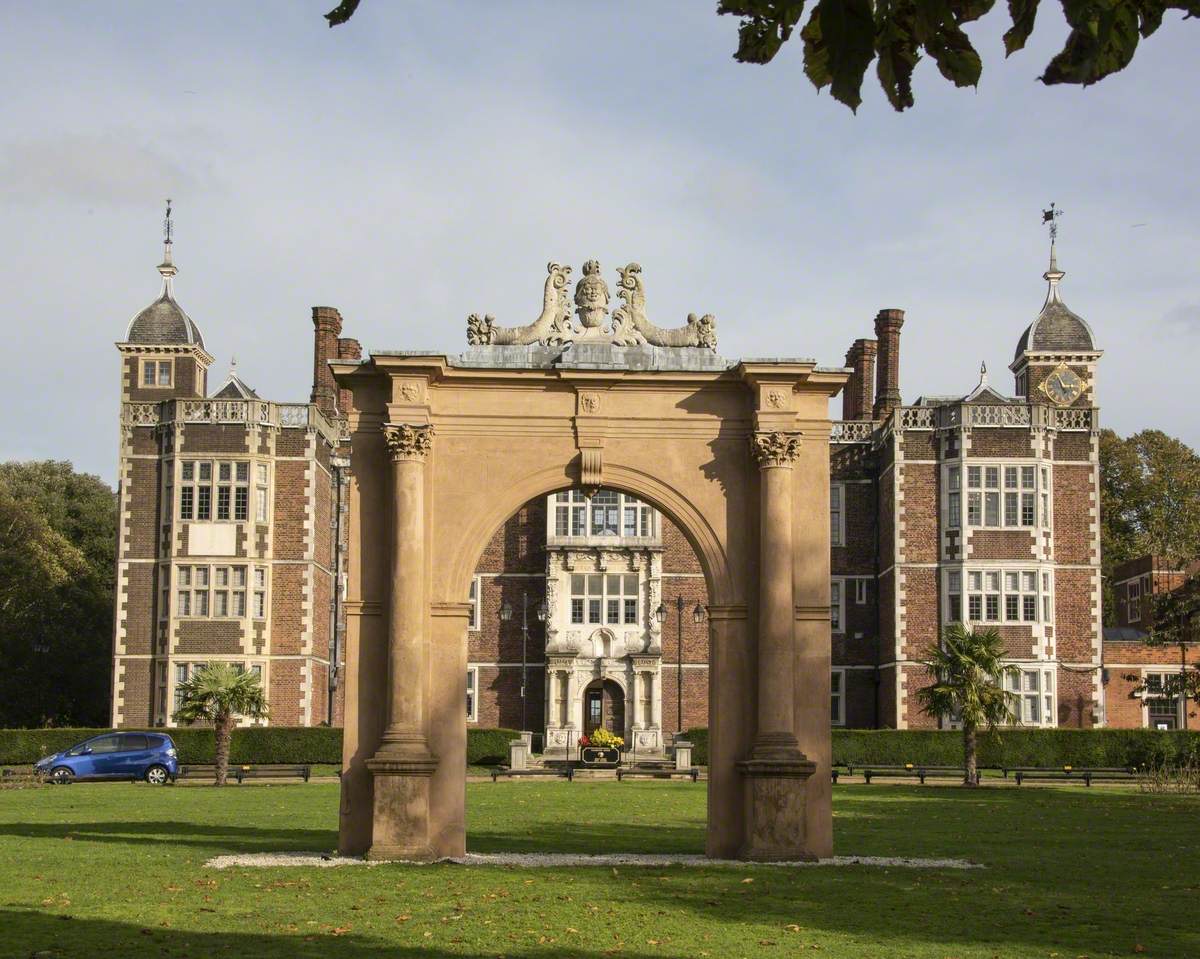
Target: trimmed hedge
point(1013, 747)
point(255, 744)
point(489, 747)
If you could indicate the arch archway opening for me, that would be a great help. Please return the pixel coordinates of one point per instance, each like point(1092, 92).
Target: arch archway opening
point(575, 625)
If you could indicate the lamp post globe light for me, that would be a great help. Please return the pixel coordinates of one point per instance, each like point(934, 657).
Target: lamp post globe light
point(506, 616)
point(660, 614)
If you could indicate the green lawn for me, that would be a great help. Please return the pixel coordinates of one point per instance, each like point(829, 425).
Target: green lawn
point(116, 870)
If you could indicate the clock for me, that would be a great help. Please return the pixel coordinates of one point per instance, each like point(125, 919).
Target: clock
point(1063, 385)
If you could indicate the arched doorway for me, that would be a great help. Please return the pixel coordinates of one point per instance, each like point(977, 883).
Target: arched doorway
point(446, 448)
point(604, 707)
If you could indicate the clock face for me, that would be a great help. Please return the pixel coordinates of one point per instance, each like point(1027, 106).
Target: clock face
point(1063, 385)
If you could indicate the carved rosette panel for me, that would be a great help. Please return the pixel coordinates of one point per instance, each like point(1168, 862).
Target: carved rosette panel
point(405, 442)
point(776, 448)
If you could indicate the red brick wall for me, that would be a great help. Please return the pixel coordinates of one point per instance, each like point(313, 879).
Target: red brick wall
point(920, 513)
point(208, 638)
point(1000, 442)
point(284, 693)
point(1016, 544)
point(1073, 609)
point(286, 597)
point(1072, 525)
point(1075, 708)
point(695, 700)
point(291, 509)
point(213, 439)
point(1073, 446)
point(142, 528)
point(137, 710)
point(138, 609)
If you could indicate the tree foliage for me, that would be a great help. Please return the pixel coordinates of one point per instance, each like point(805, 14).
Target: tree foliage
point(842, 37)
point(57, 573)
point(1149, 501)
point(218, 694)
point(968, 677)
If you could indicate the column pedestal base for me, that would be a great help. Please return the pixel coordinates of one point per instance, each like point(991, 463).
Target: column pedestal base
point(776, 783)
point(400, 818)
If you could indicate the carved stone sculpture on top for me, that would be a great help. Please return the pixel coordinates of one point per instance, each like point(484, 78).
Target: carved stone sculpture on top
point(627, 325)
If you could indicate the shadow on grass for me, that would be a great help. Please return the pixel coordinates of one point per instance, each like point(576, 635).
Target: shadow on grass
point(36, 934)
point(600, 837)
point(223, 837)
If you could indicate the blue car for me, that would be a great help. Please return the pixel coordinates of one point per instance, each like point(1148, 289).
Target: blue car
point(148, 756)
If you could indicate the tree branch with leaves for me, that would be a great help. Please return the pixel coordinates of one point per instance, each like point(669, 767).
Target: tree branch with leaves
point(842, 38)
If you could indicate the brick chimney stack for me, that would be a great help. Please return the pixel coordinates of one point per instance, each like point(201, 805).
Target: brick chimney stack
point(859, 392)
point(887, 388)
point(327, 325)
point(348, 349)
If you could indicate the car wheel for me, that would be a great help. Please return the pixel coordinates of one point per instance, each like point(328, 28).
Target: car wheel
point(157, 775)
point(62, 775)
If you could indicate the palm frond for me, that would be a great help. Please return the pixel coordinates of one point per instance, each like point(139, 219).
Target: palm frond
point(217, 691)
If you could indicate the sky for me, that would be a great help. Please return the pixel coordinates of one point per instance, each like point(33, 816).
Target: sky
point(426, 160)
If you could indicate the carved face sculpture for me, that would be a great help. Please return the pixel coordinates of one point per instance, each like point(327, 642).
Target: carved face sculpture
point(591, 296)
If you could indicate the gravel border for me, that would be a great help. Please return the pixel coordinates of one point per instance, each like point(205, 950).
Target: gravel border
point(558, 859)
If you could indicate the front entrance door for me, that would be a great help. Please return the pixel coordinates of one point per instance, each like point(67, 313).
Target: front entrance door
point(604, 706)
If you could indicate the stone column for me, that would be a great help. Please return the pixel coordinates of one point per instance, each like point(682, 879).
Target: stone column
point(635, 700)
point(403, 764)
point(655, 682)
point(776, 770)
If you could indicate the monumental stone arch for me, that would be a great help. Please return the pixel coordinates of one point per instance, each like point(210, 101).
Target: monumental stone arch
point(446, 448)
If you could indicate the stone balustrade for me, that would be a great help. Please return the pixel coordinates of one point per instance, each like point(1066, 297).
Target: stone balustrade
point(245, 412)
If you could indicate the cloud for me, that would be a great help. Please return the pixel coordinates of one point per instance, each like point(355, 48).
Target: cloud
point(108, 168)
point(1185, 317)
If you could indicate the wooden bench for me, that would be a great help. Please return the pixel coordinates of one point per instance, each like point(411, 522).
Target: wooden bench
point(566, 772)
point(195, 770)
point(910, 771)
point(271, 772)
point(1086, 774)
point(668, 773)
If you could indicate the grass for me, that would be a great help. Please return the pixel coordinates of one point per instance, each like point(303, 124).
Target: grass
point(117, 869)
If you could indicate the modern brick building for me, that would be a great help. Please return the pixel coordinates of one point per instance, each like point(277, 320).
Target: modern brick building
point(1135, 669)
point(230, 524)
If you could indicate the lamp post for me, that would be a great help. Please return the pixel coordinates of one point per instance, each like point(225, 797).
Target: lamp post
point(505, 616)
point(698, 616)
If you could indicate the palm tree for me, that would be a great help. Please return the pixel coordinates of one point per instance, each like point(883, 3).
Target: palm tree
point(218, 693)
point(968, 682)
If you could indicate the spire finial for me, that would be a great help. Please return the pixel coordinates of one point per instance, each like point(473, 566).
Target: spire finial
point(983, 374)
point(1053, 274)
point(233, 366)
point(167, 267)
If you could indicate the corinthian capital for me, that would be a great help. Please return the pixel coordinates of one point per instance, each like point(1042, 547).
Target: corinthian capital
point(776, 449)
point(406, 442)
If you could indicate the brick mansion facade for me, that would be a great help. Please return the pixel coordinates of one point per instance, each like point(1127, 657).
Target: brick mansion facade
point(231, 524)
point(589, 608)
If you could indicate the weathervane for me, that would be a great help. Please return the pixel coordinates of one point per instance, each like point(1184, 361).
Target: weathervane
point(167, 223)
point(1050, 216)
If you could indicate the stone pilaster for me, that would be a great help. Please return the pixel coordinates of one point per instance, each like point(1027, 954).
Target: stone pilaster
point(776, 771)
point(403, 764)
